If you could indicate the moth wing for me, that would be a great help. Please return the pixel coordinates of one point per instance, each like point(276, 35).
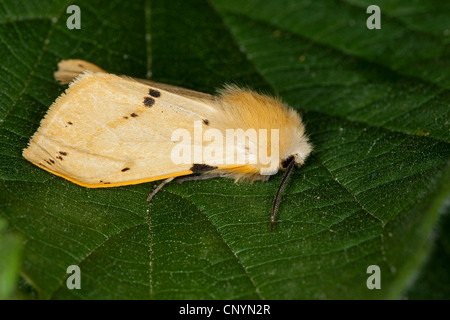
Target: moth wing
point(70, 69)
point(179, 91)
point(107, 131)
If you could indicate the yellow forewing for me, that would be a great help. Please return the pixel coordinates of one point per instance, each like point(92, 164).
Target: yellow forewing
point(109, 131)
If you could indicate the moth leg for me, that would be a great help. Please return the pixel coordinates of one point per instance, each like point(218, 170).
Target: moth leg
point(159, 187)
point(200, 177)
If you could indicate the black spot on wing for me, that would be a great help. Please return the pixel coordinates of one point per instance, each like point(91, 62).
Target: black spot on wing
point(133, 115)
point(206, 122)
point(60, 158)
point(63, 153)
point(148, 102)
point(69, 123)
point(154, 93)
point(125, 169)
point(200, 167)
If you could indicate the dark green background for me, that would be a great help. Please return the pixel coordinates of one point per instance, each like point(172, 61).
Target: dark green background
point(376, 106)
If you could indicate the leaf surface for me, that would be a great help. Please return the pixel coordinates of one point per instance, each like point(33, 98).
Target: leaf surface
point(375, 103)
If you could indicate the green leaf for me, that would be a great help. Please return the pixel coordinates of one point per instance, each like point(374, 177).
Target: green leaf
point(11, 245)
point(433, 282)
point(376, 106)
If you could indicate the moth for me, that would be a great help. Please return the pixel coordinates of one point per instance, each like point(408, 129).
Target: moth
point(109, 131)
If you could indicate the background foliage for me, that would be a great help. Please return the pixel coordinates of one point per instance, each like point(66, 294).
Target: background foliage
point(376, 106)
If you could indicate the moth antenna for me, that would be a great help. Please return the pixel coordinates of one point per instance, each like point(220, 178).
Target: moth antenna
point(276, 203)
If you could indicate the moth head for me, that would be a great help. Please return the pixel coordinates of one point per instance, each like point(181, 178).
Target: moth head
point(294, 143)
point(298, 155)
point(299, 149)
